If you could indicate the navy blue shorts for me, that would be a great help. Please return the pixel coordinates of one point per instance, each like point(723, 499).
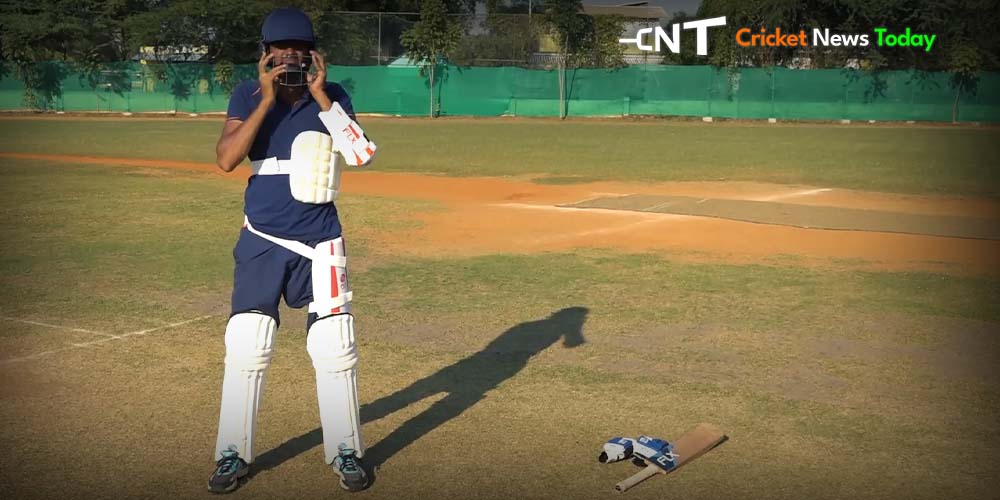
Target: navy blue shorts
point(266, 272)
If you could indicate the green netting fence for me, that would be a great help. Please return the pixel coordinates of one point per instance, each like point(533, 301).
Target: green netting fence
point(752, 93)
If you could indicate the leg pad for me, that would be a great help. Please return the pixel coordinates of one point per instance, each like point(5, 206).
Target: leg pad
point(331, 346)
point(249, 349)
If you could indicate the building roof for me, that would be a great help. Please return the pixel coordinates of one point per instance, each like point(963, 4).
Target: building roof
point(635, 10)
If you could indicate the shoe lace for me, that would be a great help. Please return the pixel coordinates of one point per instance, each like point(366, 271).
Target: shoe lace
point(348, 462)
point(229, 462)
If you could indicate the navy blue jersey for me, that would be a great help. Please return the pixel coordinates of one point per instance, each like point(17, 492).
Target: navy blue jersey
point(268, 201)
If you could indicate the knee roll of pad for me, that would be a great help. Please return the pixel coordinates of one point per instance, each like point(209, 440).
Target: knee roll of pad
point(250, 341)
point(330, 343)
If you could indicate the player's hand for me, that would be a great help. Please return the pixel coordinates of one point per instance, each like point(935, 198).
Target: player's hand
point(267, 78)
point(317, 81)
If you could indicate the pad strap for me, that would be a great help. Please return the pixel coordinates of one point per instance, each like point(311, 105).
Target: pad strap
point(318, 305)
point(323, 306)
point(292, 245)
point(272, 166)
point(295, 246)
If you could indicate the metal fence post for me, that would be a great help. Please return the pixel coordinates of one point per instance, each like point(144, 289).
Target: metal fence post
point(708, 91)
point(131, 85)
point(847, 97)
point(772, 93)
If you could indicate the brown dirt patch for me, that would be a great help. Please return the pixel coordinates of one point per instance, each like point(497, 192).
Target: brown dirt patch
point(511, 215)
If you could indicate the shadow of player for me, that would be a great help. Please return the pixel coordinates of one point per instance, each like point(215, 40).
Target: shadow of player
point(466, 382)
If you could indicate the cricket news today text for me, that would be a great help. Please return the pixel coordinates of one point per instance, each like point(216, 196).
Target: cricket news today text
point(745, 37)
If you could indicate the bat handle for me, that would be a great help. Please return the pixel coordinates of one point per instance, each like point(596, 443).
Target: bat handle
point(636, 478)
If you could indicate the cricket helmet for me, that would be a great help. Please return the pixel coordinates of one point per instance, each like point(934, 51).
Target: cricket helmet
point(289, 24)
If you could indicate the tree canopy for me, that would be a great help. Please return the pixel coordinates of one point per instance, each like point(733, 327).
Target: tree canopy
point(44, 40)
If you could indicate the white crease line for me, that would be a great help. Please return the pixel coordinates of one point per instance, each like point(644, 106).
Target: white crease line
point(648, 216)
point(608, 230)
point(108, 338)
point(599, 193)
point(33, 356)
point(598, 196)
point(796, 194)
point(69, 329)
point(141, 332)
point(171, 325)
point(542, 207)
point(609, 211)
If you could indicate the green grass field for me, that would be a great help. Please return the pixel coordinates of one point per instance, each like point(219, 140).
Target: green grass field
point(911, 159)
point(501, 375)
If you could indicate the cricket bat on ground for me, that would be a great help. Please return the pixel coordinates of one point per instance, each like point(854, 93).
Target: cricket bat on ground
point(693, 444)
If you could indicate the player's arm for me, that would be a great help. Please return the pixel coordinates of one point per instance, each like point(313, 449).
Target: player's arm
point(238, 135)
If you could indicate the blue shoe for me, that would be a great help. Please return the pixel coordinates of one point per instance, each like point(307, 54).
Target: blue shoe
point(228, 471)
point(352, 473)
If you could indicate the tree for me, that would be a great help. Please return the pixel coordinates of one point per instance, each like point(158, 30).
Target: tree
point(344, 35)
point(687, 55)
point(174, 32)
point(432, 38)
point(969, 42)
point(501, 38)
point(566, 22)
point(964, 63)
point(584, 41)
point(46, 40)
point(450, 6)
point(602, 48)
point(790, 16)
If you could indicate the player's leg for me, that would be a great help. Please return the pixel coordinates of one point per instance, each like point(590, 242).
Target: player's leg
point(249, 339)
point(331, 345)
